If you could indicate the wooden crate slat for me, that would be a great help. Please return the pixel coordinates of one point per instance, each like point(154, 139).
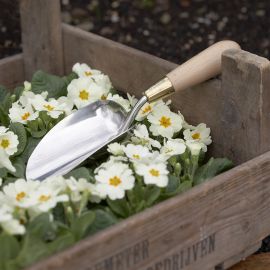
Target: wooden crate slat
point(208, 224)
point(130, 69)
point(12, 71)
point(245, 121)
point(41, 36)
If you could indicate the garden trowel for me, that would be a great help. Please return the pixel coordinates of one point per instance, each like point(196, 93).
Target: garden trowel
point(89, 129)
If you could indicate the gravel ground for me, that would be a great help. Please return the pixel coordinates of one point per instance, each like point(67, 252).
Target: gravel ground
point(174, 30)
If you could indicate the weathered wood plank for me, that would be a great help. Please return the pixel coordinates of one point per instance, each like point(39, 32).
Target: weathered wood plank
point(205, 226)
point(41, 36)
point(254, 262)
point(130, 69)
point(12, 71)
point(245, 118)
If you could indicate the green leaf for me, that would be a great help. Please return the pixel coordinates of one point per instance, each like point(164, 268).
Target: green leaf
point(55, 85)
point(152, 194)
point(212, 168)
point(18, 92)
point(120, 207)
point(20, 131)
point(42, 227)
point(20, 166)
point(38, 134)
point(3, 93)
point(9, 248)
point(3, 172)
point(81, 224)
point(80, 172)
point(63, 240)
point(102, 221)
point(70, 77)
point(173, 185)
point(33, 249)
point(31, 145)
point(184, 186)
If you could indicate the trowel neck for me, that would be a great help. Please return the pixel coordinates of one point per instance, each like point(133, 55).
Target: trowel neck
point(133, 113)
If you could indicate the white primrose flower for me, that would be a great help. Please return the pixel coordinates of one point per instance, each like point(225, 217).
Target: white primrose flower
point(13, 226)
point(144, 111)
point(8, 141)
point(153, 173)
point(95, 195)
point(132, 100)
point(137, 153)
point(21, 114)
point(27, 97)
point(116, 149)
point(53, 107)
point(27, 86)
point(65, 104)
point(5, 162)
point(8, 223)
point(104, 82)
point(114, 180)
point(142, 137)
point(20, 193)
point(120, 100)
point(200, 134)
point(164, 122)
point(83, 70)
point(147, 108)
point(46, 198)
point(173, 147)
point(195, 147)
point(112, 160)
point(84, 91)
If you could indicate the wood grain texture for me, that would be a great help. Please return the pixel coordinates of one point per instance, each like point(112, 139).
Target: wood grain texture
point(254, 262)
point(12, 71)
point(41, 36)
point(245, 121)
point(203, 227)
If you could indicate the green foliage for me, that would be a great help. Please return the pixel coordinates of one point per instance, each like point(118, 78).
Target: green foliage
point(81, 224)
point(20, 131)
point(212, 168)
point(103, 220)
point(54, 85)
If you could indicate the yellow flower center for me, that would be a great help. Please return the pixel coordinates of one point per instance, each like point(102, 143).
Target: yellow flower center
point(88, 73)
point(84, 95)
point(44, 198)
point(5, 143)
point(48, 107)
point(196, 136)
point(25, 116)
point(154, 172)
point(103, 97)
point(147, 109)
point(20, 196)
point(165, 121)
point(136, 156)
point(115, 181)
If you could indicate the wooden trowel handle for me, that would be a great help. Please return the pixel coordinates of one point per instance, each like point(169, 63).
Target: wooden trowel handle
point(198, 69)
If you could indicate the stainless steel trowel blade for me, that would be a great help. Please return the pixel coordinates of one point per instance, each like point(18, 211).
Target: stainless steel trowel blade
point(75, 138)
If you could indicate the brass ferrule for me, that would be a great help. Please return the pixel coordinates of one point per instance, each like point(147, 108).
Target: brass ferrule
point(160, 90)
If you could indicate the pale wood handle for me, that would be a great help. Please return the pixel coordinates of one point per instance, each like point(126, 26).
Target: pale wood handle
point(201, 67)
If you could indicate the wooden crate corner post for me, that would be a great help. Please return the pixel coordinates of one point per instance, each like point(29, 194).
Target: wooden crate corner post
point(41, 36)
point(245, 113)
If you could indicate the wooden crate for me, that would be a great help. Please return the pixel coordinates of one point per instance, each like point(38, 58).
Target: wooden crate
point(212, 226)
